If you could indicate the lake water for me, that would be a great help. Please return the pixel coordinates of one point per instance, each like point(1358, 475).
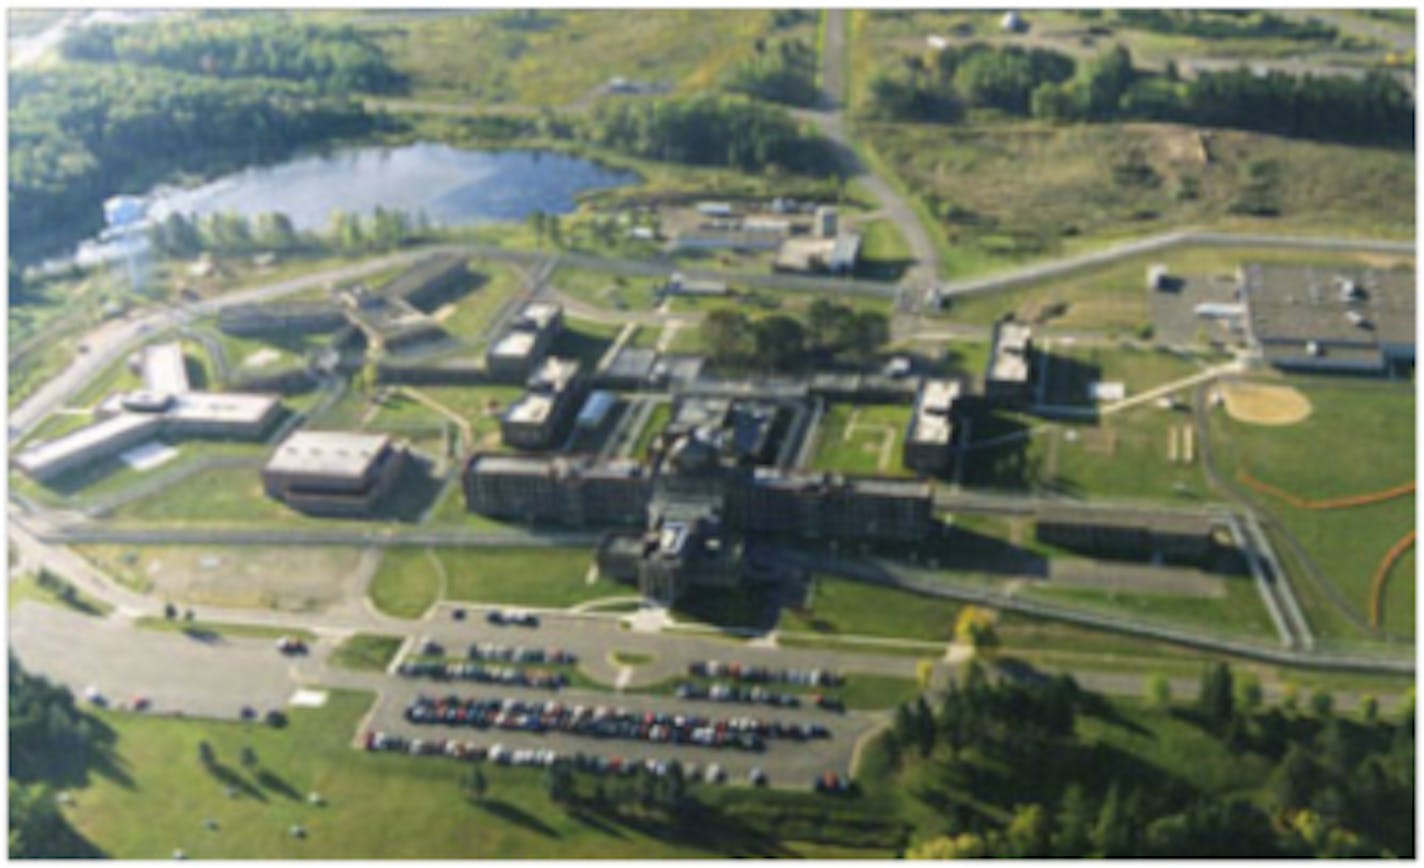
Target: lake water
point(453, 187)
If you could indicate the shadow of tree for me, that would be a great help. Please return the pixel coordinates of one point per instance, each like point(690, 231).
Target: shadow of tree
point(520, 817)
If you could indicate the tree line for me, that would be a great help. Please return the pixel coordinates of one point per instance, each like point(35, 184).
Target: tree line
point(336, 59)
point(184, 235)
point(784, 72)
point(710, 130)
point(1370, 109)
point(1338, 787)
point(784, 343)
point(84, 133)
point(51, 741)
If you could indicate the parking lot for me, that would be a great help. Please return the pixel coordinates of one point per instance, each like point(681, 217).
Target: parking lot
point(787, 763)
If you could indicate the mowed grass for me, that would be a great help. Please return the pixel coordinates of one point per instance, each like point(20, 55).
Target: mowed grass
point(862, 440)
point(469, 317)
point(609, 291)
point(365, 651)
point(1006, 193)
point(375, 806)
point(1071, 368)
point(1240, 612)
point(1358, 439)
point(410, 580)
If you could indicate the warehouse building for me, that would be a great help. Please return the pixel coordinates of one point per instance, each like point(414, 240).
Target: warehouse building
point(518, 352)
point(1329, 319)
point(333, 473)
point(929, 437)
point(540, 417)
point(53, 458)
point(1009, 376)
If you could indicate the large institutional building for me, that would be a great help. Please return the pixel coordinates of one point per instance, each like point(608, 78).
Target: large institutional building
point(166, 407)
point(333, 473)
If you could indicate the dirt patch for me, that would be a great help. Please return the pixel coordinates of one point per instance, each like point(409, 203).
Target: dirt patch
point(1263, 404)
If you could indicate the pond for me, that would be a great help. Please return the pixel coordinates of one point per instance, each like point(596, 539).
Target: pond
point(453, 187)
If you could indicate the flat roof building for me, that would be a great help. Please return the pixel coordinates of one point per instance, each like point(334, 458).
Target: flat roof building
point(335, 473)
point(541, 416)
point(517, 353)
point(557, 489)
point(929, 435)
point(164, 370)
point(1343, 319)
point(47, 460)
point(1010, 370)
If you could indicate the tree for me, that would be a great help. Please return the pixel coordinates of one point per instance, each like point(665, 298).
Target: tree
point(1369, 709)
point(1216, 700)
point(1322, 703)
point(248, 757)
point(275, 230)
point(965, 846)
point(780, 341)
point(1294, 778)
point(474, 784)
point(975, 627)
point(1159, 691)
point(1074, 821)
point(726, 335)
point(925, 726)
point(206, 755)
point(559, 781)
point(868, 331)
point(1030, 833)
point(1249, 695)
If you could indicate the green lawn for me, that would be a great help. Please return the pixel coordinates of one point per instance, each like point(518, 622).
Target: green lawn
point(606, 290)
point(1358, 438)
point(408, 581)
point(1240, 612)
point(584, 340)
point(1070, 369)
point(883, 252)
point(374, 806)
point(28, 587)
point(366, 651)
point(844, 607)
point(657, 421)
point(862, 439)
point(469, 316)
point(209, 628)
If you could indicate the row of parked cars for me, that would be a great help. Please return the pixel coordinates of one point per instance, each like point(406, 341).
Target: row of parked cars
point(482, 674)
point(755, 695)
point(586, 763)
point(521, 654)
point(764, 675)
point(594, 764)
point(742, 733)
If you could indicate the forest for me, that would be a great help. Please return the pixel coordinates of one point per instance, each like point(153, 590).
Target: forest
point(1327, 784)
point(90, 132)
point(334, 59)
point(1372, 109)
point(712, 131)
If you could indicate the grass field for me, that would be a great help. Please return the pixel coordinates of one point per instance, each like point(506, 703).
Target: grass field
point(657, 421)
point(1008, 193)
point(411, 579)
point(28, 587)
point(366, 652)
point(1120, 456)
point(557, 57)
point(1070, 368)
point(1358, 438)
point(469, 316)
point(1239, 613)
point(584, 340)
point(884, 254)
point(612, 292)
point(862, 440)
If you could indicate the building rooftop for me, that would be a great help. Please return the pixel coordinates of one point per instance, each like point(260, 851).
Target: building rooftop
point(531, 408)
point(596, 409)
point(514, 345)
point(632, 363)
point(345, 454)
point(164, 370)
point(555, 375)
point(538, 315)
point(232, 407)
point(1008, 358)
point(36, 458)
point(1355, 306)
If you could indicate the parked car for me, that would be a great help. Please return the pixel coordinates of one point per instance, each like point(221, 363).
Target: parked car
point(291, 645)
